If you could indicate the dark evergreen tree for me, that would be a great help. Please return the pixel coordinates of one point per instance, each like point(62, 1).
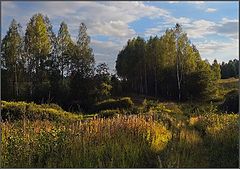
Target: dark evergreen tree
point(12, 62)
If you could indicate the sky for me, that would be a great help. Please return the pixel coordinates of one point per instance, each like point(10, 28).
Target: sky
point(212, 26)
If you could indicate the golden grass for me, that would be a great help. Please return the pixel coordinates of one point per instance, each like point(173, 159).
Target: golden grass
point(123, 141)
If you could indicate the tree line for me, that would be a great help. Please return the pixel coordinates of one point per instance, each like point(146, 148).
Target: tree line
point(169, 67)
point(230, 69)
point(40, 66)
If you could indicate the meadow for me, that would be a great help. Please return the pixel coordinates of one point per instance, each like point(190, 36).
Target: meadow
point(151, 134)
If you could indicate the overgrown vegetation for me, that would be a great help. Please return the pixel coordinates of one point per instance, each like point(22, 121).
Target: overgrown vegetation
point(11, 111)
point(221, 137)
point(123, 141)
point(161, 135)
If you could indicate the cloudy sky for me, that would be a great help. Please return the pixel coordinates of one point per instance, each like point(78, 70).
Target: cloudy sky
point(211, 26)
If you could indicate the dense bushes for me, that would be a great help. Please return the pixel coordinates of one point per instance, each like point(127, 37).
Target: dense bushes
point(231, 103)
point(122, 103)
point(19, 110)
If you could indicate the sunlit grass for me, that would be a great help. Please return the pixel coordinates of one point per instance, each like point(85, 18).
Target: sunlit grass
point(124, 141)
point(160, 135)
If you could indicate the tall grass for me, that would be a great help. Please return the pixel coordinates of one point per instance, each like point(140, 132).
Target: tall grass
point(124, 141)
point(221, 137)
point(161, 135)
point(201, 137)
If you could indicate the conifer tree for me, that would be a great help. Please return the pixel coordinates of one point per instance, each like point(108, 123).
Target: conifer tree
point(12, 59)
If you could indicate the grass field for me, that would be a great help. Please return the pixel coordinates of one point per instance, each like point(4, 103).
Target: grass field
point(151, 134)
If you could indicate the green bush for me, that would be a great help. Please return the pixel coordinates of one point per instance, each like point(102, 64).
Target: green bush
point(123, 103)
point(52, 105)
point(20, 110)
point(231, 103)
point(109, 113)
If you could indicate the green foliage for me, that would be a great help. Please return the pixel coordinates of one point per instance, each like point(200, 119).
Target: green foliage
point(161, 137)
point(230, 69)
point(168, 67)
point(201, 84)
point(12, 62)
point(109, 113)
point(102, 82)
point(53, 106)
point(117, 142)
point(36, 38)
point(194, 109)
point(227, 85)
point(45, 68)
point(21, 110)
point(64, 46)
point(122, 103)
point(206, 139)
point(216, 70)
point(82, 70)
point(220, 133)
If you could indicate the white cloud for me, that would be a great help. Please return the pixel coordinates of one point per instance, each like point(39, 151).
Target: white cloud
point(196, 2)
point(189, 2)
point(173, 2)
point(223, 51)
point(153, 31)
point(200, 28)
point(210, 10)
point(110, 21)
point(106, 51)
point(173, 20)
point(169, 22)
point(228, 28)
point(104, 18)
point(194, 29)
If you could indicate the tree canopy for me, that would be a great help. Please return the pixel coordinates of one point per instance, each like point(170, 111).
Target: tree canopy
point(167, 67)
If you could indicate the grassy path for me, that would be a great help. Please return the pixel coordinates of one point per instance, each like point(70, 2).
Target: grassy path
point(186, 148)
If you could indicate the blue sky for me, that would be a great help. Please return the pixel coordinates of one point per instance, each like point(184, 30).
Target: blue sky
point(211, 26)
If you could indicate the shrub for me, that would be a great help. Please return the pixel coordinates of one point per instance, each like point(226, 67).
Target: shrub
point(123, 103)
point(126, 102)
point(12, 110)
point(108, 113)
point(133, 110)
point(231, 103)
point(20, 110)
point(53, 106)
point(147, 104)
